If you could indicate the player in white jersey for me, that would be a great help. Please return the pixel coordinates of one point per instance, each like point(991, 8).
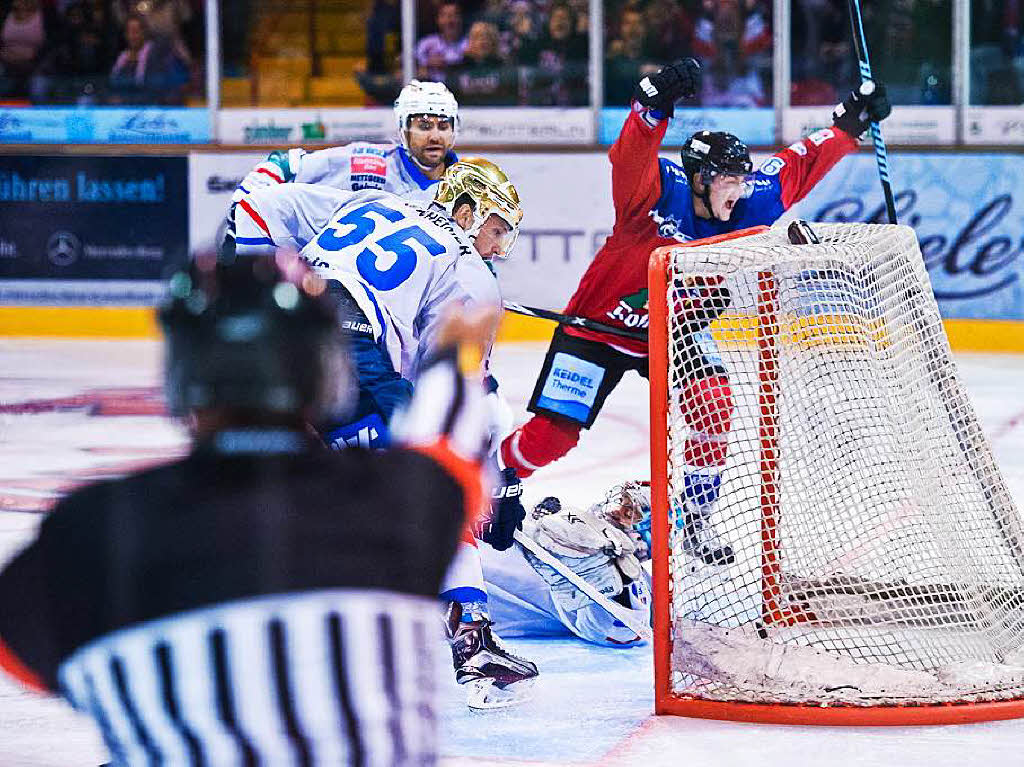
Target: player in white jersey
point(426, 117)
point(396, 266)
point(605, 545)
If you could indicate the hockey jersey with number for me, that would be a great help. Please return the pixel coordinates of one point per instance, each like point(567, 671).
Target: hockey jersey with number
point(654, 208)
point(352, 167)
point(404, 262)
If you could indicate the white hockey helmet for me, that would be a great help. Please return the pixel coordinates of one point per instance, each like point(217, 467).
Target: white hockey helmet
point(424, 98)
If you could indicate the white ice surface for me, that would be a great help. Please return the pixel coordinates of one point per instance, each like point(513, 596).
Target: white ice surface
point(592, 705)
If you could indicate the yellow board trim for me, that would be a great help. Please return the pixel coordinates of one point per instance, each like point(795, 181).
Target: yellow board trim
point(107, 322)
point(77, 322)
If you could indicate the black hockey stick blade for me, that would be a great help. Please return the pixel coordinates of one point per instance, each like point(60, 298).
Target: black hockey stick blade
point(570, 319)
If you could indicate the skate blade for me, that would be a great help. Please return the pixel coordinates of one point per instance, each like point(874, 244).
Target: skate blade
point(484, 695)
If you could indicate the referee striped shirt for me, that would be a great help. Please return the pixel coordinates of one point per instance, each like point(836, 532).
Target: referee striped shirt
point(259, 602)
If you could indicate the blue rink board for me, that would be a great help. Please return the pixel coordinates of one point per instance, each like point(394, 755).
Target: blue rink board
point(586, 700)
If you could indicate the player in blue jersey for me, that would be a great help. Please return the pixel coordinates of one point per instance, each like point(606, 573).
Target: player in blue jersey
point(712, 191)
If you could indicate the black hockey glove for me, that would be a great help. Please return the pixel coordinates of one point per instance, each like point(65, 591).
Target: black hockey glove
point(665, 87)
point(860, 109)
point(700, 301)
point(507, 512)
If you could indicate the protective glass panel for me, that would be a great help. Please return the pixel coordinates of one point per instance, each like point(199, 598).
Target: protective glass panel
point(910, 45)
point(997, 53)
point(506, 54)
point(732, 40)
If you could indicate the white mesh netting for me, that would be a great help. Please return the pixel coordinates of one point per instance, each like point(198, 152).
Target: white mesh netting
point(876, 554)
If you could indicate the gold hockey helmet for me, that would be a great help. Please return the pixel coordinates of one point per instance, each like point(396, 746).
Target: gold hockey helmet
point(491, 192)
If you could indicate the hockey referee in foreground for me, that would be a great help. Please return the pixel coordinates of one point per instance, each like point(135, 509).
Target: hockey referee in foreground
point(263, 601)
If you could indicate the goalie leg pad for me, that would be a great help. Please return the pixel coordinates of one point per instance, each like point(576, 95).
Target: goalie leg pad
point(707, 406)
point(538, 442)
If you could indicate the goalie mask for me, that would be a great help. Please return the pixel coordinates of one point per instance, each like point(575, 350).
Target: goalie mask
point(258, 334)
point(487, 189)
point(424, 98)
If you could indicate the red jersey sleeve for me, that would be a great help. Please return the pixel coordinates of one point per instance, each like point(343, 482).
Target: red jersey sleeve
point(636, 177)
point(805, 163)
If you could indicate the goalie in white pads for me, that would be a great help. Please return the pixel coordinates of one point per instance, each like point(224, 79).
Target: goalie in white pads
point(604, 545)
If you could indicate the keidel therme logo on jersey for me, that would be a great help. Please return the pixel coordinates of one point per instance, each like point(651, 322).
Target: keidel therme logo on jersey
point(571, 387)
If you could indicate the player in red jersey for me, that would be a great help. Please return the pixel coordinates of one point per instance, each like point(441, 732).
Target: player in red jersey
point(658, 202)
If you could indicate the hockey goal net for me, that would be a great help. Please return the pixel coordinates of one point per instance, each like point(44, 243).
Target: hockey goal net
point(877, 568)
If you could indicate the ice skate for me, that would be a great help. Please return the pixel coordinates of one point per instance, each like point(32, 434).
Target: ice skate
point(494, 677)
point(701, 541)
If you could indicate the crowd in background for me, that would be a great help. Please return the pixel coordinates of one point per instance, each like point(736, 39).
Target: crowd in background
point(534, 52)
point(100, 51)
point(529, 52)
point(731, 38)
point(911, 46)
point(997, 52)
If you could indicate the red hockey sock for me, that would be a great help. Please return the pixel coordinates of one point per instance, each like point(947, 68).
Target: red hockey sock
point(707, 410)
point(538, 442)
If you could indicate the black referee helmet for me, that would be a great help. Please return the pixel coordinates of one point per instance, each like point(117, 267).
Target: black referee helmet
point(257, 334)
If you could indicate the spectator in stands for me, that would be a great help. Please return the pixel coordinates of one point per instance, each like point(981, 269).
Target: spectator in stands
point(581, 11)
point(147, 71)
point(733, 42)
point(495, 12)
point(628, 59)
point(997, 52)
point(559, 61)
point(914, 49)
point(435, 53)
point(523, 29)
point(932, 42)
point(670, 30)
point(166, 22)
point(75, 65)
point(732, 82)
point(381, 79)
point(129, 72)
point(385, 19)
point(24, 33)
point(482, 77)
point(163, 18)
point(821, 56)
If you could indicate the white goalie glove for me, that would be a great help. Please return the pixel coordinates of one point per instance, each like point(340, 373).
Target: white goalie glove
point(589, 544)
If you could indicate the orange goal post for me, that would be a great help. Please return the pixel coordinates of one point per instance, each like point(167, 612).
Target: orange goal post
point(878, 568)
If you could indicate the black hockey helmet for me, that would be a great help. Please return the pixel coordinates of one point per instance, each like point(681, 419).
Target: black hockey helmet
point(258, 334)
point(712, 152)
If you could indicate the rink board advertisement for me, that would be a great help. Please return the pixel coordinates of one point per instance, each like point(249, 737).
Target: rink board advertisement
point(477, 125)
point(756, 126)
point(968, 211)
point(90, 230)
point(104, 125)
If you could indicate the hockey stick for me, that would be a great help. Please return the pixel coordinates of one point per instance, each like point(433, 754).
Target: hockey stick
point(617, 611)
point(968, 433)
point(570, 319)
point(860, 44)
